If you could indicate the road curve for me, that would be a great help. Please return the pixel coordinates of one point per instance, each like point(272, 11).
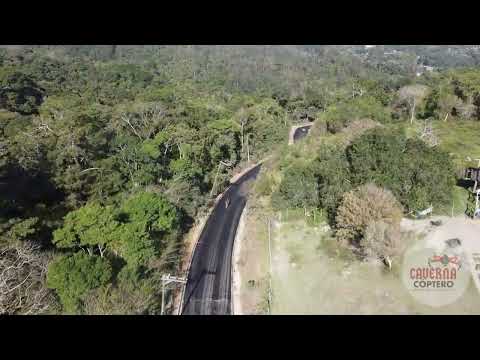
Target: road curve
point(301, 132)
point(208, 288)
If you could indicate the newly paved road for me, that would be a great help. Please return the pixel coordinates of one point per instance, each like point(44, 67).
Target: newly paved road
point(208, 288)
point(301, 132)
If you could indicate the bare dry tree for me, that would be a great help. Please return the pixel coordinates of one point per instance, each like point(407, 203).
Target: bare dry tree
point(362, 206)
point(427, 134)
point(413, 95)
point(383, 241)
point(22, 280)
point(144, 120)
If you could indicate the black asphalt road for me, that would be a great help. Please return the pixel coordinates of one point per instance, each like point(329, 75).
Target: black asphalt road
point(208, 288)
point(301, 132)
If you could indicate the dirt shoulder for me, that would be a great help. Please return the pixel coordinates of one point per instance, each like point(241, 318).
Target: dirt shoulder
point(251, 265)
point(236, 277)
point(191, 239)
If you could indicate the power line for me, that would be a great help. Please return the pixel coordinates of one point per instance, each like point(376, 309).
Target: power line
point(167, 279)
point(270, 269)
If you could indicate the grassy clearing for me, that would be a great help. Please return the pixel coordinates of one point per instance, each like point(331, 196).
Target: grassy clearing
point(311, 277)
point(312, 218)
point(460, 139)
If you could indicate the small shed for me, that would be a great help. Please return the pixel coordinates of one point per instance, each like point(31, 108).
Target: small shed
point(472, 174)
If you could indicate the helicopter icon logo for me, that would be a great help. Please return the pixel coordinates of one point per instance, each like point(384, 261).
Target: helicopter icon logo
point(445, 260)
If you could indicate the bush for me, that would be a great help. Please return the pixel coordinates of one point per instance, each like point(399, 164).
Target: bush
point(133, 294)
point(264, 185)
point(332, 174)
point(419, 176)
point(298, 188)
point(341, 115)
point(382, 241)
point(363, 206)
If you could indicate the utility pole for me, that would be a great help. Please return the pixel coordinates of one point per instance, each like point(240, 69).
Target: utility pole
point(215, 180)
point(167, 279)
point(413, 111)
point(270, 266)
point(248, 150)
point(243, 121)
point(227, 164)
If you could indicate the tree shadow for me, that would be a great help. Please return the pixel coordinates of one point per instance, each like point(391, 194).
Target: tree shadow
point(21, 192)
point(464, 183)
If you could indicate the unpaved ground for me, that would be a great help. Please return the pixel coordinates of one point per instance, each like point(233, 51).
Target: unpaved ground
point(308, 278)
point(236, 276)
point(191, 239)
point(461, 227)
point(251, 266)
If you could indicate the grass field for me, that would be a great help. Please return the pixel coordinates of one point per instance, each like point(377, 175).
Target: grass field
point(311, 275)
point(460, 139)
point(310, 278)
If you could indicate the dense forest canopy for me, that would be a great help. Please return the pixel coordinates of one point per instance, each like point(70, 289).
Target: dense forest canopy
point(109, 153)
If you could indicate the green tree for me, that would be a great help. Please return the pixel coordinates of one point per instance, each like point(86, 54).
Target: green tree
point(19, 93)
point(91, 226)
point(147, 220)
point(418, 175)
point(341, 114)
point(298, 188)
point(153, 210)
point(332, 171)
point(72, 277)
point(21, 230)
point(136, 245)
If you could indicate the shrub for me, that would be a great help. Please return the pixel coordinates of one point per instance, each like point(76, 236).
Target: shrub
point(341, 115)
point(299, 188)
point(382, 241)
point(416, 174)
point(363, 206)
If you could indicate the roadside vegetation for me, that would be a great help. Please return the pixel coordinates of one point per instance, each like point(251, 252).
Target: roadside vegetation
point(371, 160)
